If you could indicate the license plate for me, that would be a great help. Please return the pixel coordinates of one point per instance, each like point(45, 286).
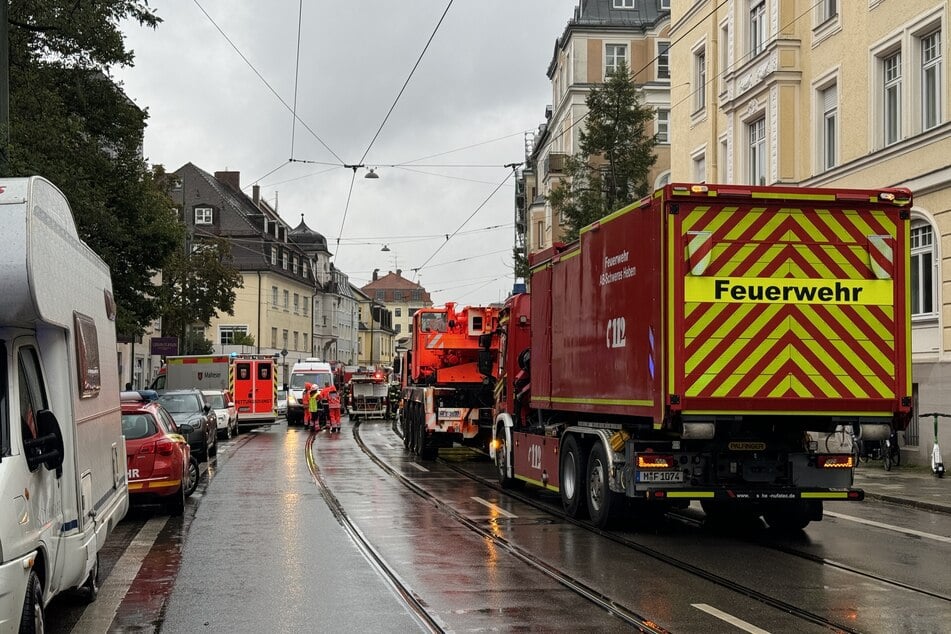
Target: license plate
point(450, 413)
point(660, 476)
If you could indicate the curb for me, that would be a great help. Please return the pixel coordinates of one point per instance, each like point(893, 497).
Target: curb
point(919, 504)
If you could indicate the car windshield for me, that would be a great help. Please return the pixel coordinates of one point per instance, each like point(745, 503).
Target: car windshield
point(314, 378)
point(137, 425)
point(217, 401)
point(180, 403)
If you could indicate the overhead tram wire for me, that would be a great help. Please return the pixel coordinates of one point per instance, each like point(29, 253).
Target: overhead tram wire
point(406, 83)
point(459, 149)
point(346, 208)
point(300, 16)
point(269, 87)
point(459, 228)
point(457, 178)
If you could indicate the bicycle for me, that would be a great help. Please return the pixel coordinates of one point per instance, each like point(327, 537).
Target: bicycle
point(891, 453)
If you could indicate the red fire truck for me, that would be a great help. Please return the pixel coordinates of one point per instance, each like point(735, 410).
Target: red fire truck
point(706, 343)
point(367, 394)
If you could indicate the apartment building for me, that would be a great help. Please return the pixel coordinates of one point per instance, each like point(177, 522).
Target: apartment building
point(831, 94)
point(401, 296)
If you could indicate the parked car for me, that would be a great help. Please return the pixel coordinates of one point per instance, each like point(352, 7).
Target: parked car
point(226, 414)
point(281, 403)
point(195, 420)
point(158, 459)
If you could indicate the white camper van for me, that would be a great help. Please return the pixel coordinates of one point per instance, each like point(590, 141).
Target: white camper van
point(313, 371)
point(62, 456)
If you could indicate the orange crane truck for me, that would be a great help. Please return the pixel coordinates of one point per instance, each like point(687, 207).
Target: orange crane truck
point(710, 343)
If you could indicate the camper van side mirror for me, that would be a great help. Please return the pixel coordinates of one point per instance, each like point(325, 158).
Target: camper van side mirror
point(47, 448)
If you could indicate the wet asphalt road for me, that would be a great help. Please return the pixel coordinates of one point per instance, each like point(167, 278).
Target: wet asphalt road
point(264, 553)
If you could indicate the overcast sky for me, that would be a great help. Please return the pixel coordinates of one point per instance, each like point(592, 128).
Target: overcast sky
point(481, 81)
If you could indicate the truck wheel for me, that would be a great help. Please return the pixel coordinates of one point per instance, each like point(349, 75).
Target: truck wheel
point(31, 619)
point(90, 588)
point(600, 497)
point(573, 468)
point(793, 516)
point(501, 455)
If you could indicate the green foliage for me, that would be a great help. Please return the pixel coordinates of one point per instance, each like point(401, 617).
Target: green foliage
point(195, 343)
point(197, 285)
point(70, 123)
point(521, 262)
point(243, 339)
point(616, 154)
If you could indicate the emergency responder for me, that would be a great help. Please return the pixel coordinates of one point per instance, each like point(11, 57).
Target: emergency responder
point(316, 421)
point(305, 403)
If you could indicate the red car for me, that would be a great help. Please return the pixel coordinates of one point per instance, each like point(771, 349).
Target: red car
point(159, 462)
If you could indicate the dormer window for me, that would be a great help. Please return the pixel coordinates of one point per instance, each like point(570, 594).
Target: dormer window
point(203, 215)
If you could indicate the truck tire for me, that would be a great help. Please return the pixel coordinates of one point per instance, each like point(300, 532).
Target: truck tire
point(572, 478)
point(31, 618)
point(600, 498)
point(791, 517)
point(501, 455)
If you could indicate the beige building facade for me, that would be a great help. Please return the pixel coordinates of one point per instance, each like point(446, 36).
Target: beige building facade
point(600, 35)
point(830, 94)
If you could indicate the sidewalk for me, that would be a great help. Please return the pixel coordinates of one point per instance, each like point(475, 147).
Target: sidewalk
point(908, 485)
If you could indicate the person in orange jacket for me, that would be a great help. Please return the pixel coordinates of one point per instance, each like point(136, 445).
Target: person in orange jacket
point(333, 403)
point(305, 403)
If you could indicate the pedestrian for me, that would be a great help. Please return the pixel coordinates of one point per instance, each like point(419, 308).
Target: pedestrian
point(305, 403)
point(314, 407)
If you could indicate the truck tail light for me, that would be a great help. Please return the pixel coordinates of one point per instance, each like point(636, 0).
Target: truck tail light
point(844, 461)
point(655, 461)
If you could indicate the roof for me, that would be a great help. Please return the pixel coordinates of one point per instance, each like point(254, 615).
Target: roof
point(392, 282)
point(304, 235)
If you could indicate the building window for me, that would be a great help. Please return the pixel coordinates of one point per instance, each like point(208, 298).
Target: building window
point(757, 26)
point(287, 296)
point(284, 260)
point(663, 125)
point(757, 137)
point(295, 266)
point(203, 215)
point(273, 337)
point(274, 296)
point(296, 339)
point(417, 296)
point(665, 5)
point(296, 305)
point(828, 104)
point(304, 337)
point(304, 305)
point(723, 160)
point(399, 328)
point(828, 9)
point(891, 104)
point(700, 80)
point(614, 54)
point(398, 296)
point(380, 295)
point(623, 4)
point(284, 338)
point(700, 168)
point(274, 256)
point(663, 60)
point(723, 47)
point(922, 269)
point(931, 80)
point(399, 312)
point(226, 334)
point(305, 269)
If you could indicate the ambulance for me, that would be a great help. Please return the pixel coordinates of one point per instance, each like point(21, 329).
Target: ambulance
point(253, 385)
point(310, 370)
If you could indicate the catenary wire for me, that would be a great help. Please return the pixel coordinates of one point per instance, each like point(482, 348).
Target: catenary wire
point(346, 208)
point(457, 178)
point(459, 149)
point(406, 83)
point(261, 77)
point(300, 16)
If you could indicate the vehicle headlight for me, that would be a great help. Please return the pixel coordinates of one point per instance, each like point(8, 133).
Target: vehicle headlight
point(291, 399)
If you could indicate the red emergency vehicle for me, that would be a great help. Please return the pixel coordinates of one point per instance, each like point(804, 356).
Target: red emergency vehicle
point(253, 382)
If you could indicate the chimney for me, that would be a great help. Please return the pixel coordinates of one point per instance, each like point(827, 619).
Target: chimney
point(231, 179)
point(399, 272)
point(376, 274)
point(256, 194)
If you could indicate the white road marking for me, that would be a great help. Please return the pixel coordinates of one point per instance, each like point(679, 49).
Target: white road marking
point(890, 527)
point(99, 615)
point(419, 466)
point(494, 507)
point(729, 618)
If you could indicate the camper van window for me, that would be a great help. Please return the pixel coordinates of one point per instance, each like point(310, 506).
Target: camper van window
point(87, 352)
point(32, 396)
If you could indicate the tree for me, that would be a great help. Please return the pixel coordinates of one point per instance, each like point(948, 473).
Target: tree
point(72, 124)
point(243, 339)
point(520, 262)
point(197, 285)
point(195, 343)
point(614, 159)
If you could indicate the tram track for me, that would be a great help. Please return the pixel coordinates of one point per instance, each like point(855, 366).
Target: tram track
point(415, 604)
point(713, 577)
point(614, 608)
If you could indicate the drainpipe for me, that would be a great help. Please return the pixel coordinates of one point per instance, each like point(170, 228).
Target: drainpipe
point(259, 315)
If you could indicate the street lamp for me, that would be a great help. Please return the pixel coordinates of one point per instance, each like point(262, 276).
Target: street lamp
point(284, 363)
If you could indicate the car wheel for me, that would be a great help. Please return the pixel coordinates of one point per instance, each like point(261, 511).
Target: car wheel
point(237, 429)
point(31, 619)
point(193, 474)
point(213, 448)
point(90, 588)
point(228, 433)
